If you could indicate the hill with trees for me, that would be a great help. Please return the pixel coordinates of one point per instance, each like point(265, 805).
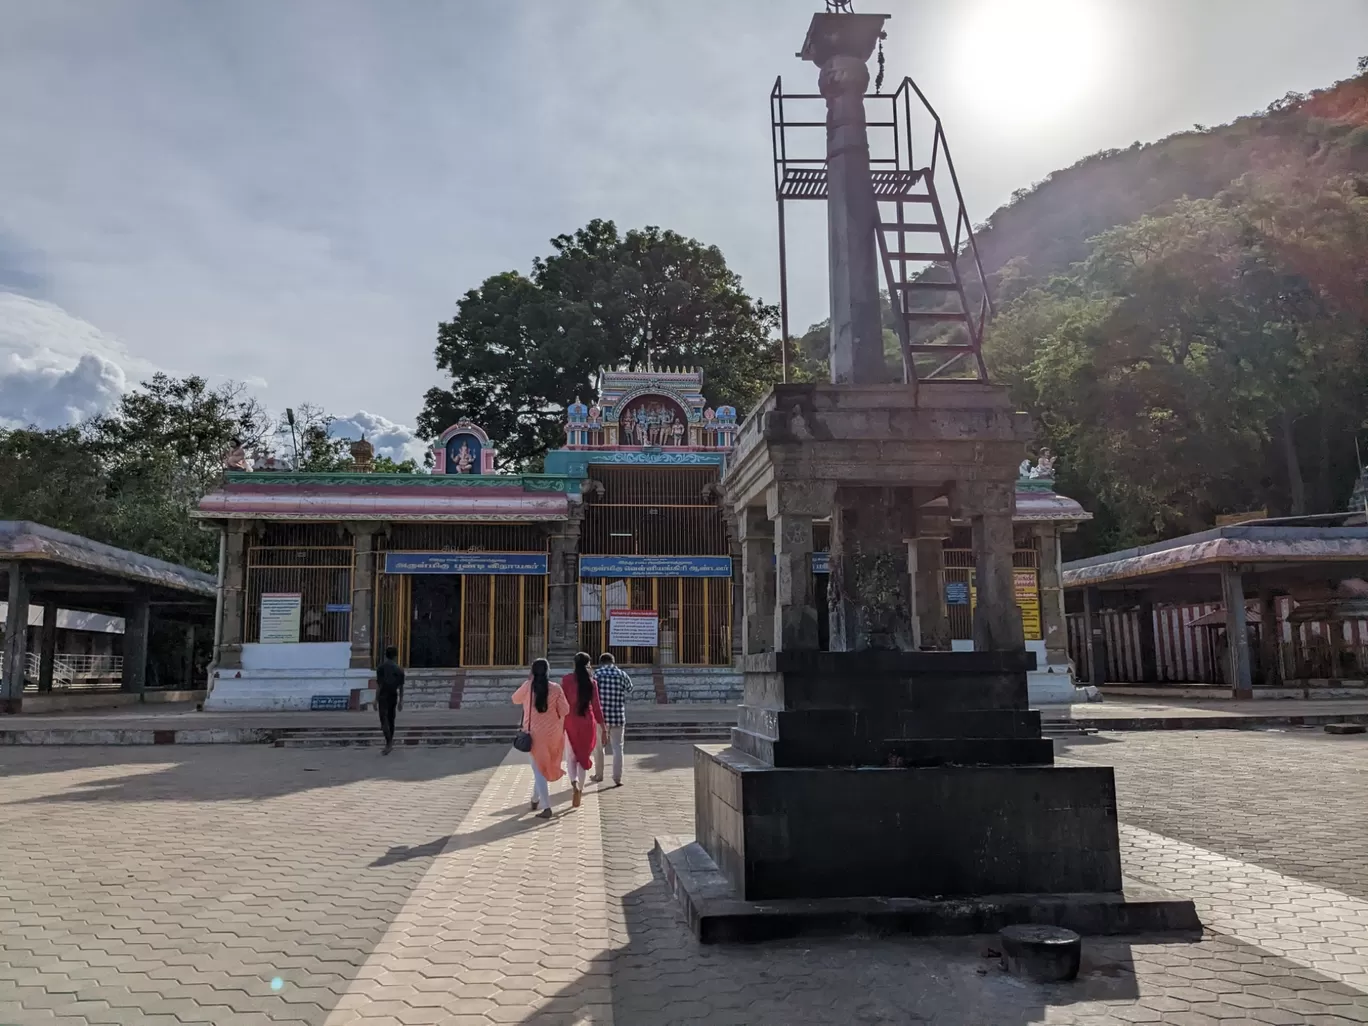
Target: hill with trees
point(1187, 321)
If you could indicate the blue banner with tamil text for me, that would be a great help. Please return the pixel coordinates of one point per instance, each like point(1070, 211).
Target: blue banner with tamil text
point(655, 566)
point(465, 563)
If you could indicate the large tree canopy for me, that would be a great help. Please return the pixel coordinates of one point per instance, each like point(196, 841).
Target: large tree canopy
point(520, 348)
point(1210, 358)
point(133, 477)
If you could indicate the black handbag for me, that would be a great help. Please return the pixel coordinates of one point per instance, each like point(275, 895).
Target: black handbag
point(522, 740)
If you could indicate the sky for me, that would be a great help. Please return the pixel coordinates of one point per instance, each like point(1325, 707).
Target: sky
point(294, 193)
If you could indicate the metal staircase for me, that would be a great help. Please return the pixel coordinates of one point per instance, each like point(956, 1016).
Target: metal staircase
point(932, 272)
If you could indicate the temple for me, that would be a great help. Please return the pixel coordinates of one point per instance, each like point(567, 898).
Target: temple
point(621, 544)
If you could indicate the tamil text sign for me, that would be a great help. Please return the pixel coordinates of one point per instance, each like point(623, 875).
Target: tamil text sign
point(279, 618)
point(633, 628)
point(655, 566)
point(530, 563)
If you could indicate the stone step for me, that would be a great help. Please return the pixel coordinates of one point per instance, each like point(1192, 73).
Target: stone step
point(493, 737)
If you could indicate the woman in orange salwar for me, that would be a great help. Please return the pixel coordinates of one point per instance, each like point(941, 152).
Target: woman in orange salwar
point(583, 723)
point(544, 710)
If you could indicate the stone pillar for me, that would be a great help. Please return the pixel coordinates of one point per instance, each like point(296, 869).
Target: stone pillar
point(757, 580)
point(189, 672)
point(935, 621)
point(738, 609)
point(563, 612)
point(1053, 627)
point(870, 588)
point(14, 664)
point(229, 654)
point(137, 625)
point(1149, 659)
point(914, 598)
point(795, 609)
point(47, 647)
point(841, 45)
point(1270, 639)
point(364, 555)
point(1096, 640)
point(997, 620)
point(1237, 636)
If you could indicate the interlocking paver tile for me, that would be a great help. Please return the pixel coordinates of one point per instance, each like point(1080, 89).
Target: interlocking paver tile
point(170, 879)
point(187, 881)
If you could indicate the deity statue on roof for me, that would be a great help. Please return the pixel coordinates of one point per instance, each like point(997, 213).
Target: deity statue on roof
point(464, 460)
point(236, 457)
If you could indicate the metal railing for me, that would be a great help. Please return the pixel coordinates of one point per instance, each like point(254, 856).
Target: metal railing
point(75, 669)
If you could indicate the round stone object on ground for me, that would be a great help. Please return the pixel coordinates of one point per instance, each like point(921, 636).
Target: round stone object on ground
point(1042, 953)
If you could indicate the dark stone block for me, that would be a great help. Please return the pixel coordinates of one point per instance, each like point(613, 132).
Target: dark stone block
point(918, 832)
point(1046, 954)
point(716, 914)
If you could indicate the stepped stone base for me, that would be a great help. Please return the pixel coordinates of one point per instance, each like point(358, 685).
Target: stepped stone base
point(716, 914)
point(899, 790)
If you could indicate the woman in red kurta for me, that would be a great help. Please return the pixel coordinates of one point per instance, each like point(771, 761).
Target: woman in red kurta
point(582, 724)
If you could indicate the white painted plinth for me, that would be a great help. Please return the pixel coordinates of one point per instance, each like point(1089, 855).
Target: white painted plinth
point(285, 677)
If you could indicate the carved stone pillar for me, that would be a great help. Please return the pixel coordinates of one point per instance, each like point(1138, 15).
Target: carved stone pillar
point(791, 508)
point(997, 620)
point(870, 596)
point(1053, 627)
point(930, 583)
point(229, 654)
point(363, 654)
point(795, 610)
point(563, 586)
point(757, 581)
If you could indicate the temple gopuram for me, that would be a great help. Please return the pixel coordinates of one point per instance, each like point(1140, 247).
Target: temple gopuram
point(619, 545)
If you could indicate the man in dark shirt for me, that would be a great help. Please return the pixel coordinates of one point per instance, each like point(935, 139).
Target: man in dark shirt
point(389, 678)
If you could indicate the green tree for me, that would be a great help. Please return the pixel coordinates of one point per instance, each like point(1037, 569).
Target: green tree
point(55, 478)
point(1200, 360)
point(520, 348)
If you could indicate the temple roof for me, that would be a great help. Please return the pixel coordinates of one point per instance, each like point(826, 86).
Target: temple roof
point(494, 498)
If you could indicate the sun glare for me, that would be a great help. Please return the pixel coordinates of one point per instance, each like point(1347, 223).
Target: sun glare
point(1031, 62)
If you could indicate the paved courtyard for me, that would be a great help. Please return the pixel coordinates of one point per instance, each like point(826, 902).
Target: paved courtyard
point(236, 884)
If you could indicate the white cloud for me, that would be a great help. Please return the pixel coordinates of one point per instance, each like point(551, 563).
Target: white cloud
point(56, 369)
point(390, 439)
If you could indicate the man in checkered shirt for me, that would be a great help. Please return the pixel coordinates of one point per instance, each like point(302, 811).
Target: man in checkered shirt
point(613, 687)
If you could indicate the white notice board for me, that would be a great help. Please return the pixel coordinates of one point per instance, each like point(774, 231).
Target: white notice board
point(633, 628)
point(280, 618)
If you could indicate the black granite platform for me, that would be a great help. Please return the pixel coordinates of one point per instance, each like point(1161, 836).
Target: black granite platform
point(716, 915)
point(864, 778)
point(809, 832)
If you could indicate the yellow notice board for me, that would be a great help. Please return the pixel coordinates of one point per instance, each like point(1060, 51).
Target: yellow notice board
point(1028, 599)
point(1024, 587)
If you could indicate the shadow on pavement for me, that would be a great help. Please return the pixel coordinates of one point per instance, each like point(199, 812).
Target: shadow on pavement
point(662, 976)
point(212, 773)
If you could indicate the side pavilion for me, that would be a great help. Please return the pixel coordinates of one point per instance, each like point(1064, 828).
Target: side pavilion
point(60, 571)
point(1286, 568)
